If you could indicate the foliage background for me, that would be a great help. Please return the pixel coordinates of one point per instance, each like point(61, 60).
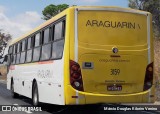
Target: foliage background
point(152, 6)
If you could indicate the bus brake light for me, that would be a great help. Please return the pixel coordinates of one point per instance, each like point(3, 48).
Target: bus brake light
point(148, 81)
point(76, 76)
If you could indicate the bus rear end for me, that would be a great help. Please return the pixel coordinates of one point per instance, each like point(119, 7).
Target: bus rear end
point(113, 56)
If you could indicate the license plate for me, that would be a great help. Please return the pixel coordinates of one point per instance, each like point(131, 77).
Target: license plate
point(114, 88)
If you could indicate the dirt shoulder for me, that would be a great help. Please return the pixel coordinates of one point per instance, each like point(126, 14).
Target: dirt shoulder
point(157, 67)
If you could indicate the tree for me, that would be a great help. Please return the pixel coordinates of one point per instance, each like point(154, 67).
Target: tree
point(52, 10)
point(152, 6)
point(4, 38)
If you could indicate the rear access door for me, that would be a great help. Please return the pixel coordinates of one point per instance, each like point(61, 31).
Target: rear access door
point(112, 50)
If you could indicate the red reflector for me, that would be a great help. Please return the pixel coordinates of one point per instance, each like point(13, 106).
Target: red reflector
point(151, 95)
point(75, 76)
point(115, 56)
point(74, 96)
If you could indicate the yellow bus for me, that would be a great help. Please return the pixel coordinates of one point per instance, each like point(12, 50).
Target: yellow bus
point(85, 55)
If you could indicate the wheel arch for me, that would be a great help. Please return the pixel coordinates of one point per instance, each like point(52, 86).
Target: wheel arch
point(35, 85)
point(34, 82)
point(11, 82)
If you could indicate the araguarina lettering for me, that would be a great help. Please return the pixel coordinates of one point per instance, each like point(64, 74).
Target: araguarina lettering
point(112, 24)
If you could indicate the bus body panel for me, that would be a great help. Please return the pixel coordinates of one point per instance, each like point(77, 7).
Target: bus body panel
point(127, 33)
point(112, 28)
point(49, 81)
point(96, 32)
point(130, 78)
point(93, 98)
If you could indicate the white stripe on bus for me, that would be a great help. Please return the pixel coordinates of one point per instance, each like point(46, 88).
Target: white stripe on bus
point(114, 10)
point(76, 46)
point(149, 51)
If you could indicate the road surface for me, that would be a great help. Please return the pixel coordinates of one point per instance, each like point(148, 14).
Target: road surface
point(6, 99)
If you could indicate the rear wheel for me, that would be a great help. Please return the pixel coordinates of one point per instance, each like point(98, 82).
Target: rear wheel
point(35, 96)
point(14, 95)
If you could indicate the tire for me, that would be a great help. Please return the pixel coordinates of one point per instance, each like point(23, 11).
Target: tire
point(35, 96)
point(14, 95)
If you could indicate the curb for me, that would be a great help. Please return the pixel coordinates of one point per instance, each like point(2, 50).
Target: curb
point(3, 81)
point(157, 103)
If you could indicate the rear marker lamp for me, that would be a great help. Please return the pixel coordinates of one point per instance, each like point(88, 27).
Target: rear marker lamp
point(77, 84)
point(149, 84)
point(150, 69)
point(76, 76)
point(148, 81)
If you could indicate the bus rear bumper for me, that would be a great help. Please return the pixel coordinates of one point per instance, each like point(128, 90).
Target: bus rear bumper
point(78, 97)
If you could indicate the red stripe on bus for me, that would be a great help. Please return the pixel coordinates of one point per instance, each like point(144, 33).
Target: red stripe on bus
point(12, 67)
point(45, 62)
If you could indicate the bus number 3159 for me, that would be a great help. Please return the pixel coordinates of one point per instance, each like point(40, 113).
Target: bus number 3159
point(115, 71)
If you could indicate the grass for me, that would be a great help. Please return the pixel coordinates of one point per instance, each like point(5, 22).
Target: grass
point(3, 71)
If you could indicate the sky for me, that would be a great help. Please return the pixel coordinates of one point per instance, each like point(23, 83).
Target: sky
point(20, 16)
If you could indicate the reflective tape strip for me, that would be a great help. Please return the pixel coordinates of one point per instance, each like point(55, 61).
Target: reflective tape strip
point(76, 45)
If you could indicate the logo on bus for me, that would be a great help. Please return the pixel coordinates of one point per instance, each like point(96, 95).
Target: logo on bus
point(115, 50)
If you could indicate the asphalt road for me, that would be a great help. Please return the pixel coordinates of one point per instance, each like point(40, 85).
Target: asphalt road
point(6, 99)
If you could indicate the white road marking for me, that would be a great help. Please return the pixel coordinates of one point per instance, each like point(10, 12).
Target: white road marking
point(28, 112)
point(149, 112)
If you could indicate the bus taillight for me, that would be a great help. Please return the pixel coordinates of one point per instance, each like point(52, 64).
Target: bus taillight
point(148, 81)
point(76, 76)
